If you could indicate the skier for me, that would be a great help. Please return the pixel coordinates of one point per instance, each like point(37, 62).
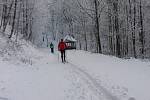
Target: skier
point(52, 47)
point(62, 47)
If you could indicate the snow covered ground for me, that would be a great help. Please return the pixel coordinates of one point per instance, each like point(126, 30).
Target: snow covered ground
point(30, 73)
point(123, 78)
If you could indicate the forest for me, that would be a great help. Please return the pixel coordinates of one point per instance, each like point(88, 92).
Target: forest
point(112, 27)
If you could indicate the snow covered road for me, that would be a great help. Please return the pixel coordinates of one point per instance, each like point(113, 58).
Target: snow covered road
point(48, 79)
point(82, 78)
point(127, 79)
point(95, 87)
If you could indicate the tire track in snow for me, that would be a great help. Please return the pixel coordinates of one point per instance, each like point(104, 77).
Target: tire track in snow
point(95, 86)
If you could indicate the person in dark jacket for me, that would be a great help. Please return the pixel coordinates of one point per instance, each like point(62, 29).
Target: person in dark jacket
point(62, 47)
point(52, 47)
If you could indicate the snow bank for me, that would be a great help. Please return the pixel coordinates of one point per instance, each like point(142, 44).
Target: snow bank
point(17, 52)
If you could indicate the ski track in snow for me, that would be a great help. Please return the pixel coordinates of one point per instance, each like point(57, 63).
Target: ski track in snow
point(98, 90)
point(2, 98)
point(93, 86)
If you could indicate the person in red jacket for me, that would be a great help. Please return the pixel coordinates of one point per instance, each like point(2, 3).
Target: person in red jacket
point(62, 47)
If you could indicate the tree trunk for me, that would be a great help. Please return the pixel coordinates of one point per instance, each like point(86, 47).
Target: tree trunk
point(116, 26)
point(97, 27)
point(14, 19)
point(141, 33)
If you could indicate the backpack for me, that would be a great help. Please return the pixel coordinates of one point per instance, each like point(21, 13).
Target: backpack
point(62, 46)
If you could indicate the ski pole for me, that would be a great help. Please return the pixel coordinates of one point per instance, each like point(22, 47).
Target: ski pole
point(58, 56)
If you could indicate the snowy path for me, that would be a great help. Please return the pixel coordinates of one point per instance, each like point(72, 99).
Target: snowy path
point(98, 90)
point(127, 79)
point(84, 84)
point(48, 79)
